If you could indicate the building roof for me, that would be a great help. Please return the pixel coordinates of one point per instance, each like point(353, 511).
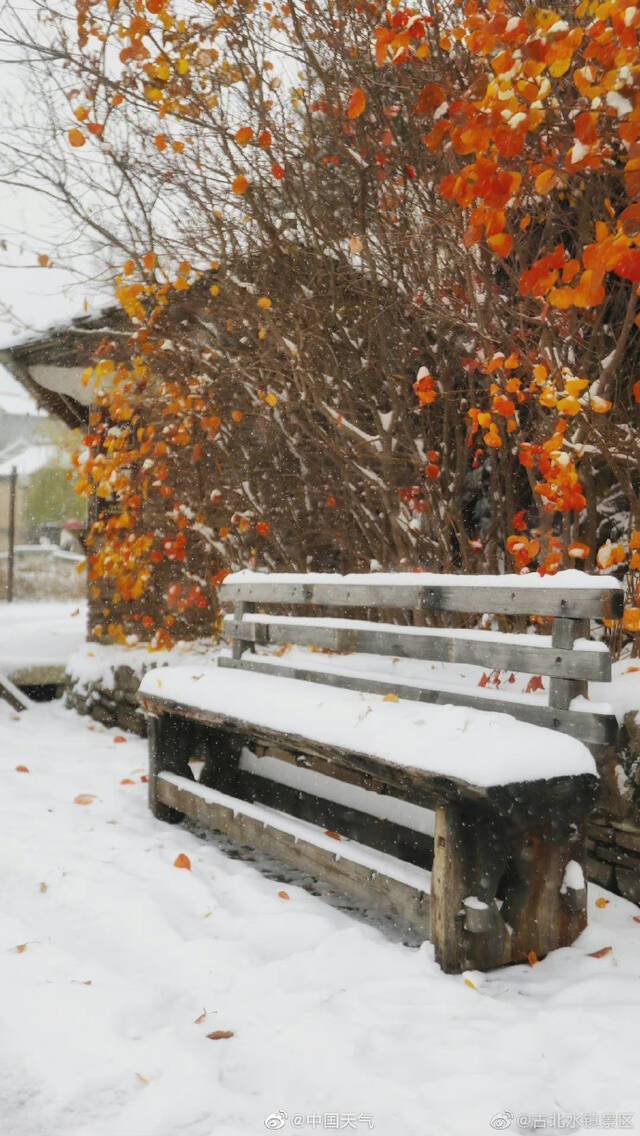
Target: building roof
point(49, 365)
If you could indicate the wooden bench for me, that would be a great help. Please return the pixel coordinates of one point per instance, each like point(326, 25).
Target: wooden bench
point(334, 770)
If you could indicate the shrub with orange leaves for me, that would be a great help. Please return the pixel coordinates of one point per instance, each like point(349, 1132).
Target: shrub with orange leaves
point(472, 183)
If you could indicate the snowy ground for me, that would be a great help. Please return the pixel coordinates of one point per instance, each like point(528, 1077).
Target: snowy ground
point(110, 956)
point(40, 634)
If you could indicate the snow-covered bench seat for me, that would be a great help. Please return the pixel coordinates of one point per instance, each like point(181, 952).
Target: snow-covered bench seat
point(337, 774)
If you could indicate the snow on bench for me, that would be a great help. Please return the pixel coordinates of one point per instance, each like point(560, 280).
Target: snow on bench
point(511, 781)
point(474, 746)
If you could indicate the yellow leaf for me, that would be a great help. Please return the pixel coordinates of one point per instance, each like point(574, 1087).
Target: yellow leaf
point(391, 698)
point(602, 902)
point(272, 399)
point(265, 303)
point(600, 405)
point(470, 984)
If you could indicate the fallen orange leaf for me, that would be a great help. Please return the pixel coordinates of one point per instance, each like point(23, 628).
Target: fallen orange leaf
point(218, 1035)
point(182, 861)
point(284, 895)
point(84, 799)
point(127, 781)
point(602, 902)
point(601, 953)
point(22, 768)
point(119, 739)
point(333, 835)
point(532, 958)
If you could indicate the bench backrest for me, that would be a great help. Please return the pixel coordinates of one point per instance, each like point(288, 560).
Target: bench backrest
point(565, 656)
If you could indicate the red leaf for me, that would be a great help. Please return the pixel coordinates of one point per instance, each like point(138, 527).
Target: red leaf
point(534, 683)
point(119, 739)
point(22, 768)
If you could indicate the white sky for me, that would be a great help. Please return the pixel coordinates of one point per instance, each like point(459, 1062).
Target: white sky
point(31, 298)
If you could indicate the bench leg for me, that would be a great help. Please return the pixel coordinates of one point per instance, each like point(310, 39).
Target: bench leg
point(221, 752)
point(470, 853)
point(545, 900)
point(481, 857)
point(170, 747)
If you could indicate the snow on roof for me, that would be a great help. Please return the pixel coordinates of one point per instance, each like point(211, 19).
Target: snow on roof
point(28, 459)
point(56, 327)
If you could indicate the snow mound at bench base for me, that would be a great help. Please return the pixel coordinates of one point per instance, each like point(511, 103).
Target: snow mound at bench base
point(477, 746)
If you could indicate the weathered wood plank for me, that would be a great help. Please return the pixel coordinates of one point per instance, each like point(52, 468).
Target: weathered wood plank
point(464, 597)
point(393, 839)
point(596, 729)
point(405, 905)
point(386, 639)
point(418, 786)
point(563, 690)
point(10, 693)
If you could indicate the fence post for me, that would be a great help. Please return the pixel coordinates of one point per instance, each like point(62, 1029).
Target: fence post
point(13, 480)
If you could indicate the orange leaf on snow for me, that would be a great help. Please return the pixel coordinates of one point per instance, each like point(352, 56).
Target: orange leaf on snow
point(601, 953)
point(127, 781)
point(357, 103)
point(532, 958)
point(220, 1035)
point(119, 739)
point(332, 834)
point(182, 861)
point(391, 697)
point(283, 895)
point(22, 768)
point(84, 799)
point(602, 902)
point(20, 949)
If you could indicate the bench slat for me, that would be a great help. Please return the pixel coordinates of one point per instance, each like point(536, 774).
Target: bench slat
point(492, 651)
point(593, 729)
point(346, 866)
point(464, 597)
